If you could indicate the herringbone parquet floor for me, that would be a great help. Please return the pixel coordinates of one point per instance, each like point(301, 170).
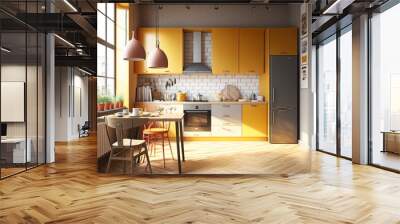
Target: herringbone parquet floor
point(71, 191)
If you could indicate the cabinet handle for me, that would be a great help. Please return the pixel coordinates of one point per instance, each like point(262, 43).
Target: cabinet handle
point(225, 71)
point(226, 115)
point(226, 105)
point(252, 71)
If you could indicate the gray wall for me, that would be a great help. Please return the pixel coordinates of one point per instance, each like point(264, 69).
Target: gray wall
point(225, 16)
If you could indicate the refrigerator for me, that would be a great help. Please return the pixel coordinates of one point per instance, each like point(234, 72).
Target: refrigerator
point(284, 100)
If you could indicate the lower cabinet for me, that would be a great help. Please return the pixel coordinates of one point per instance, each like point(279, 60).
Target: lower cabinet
point(254, 120)
point(226, 120)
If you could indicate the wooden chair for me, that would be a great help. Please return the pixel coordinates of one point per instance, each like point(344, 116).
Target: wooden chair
point(158, 132)
point(122, 135)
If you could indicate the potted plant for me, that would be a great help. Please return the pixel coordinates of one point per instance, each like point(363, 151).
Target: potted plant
point(119, 102)
point(107, 102)
point(100, 103)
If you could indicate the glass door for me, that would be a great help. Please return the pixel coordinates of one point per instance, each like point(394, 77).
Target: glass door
point(326, 96)
point(385, 89)
point(345, 62)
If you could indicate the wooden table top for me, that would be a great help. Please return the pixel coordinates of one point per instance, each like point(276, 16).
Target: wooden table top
point(161, 117)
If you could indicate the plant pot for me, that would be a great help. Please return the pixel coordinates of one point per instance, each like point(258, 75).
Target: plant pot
point(107, 106)
point(121, 104)
point(100, 106)
point(111, 106)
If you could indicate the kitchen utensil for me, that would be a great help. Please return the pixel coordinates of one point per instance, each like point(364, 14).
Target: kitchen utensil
point(230, 93)
point(181, 96)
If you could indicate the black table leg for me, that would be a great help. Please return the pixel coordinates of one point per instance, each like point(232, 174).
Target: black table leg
point(177, 146)
point(182, 140)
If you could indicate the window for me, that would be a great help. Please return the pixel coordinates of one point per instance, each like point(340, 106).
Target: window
point(106, 49)
point(346, 92)
point(385, 89)
point(335, 94)
point(327, 96)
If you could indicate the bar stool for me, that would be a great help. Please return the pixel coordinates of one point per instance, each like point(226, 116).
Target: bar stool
point(122, 134)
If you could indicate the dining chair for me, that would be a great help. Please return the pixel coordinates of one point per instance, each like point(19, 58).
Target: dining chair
point(122, 135)
point(158, 132)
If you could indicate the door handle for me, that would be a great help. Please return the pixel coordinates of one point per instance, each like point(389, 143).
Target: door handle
point(273, 95)
point(273, 117)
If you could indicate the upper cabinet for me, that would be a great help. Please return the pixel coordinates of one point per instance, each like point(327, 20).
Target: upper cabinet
point(225, 43)
point(283, 41)
point(251, 51)
point(171, 42)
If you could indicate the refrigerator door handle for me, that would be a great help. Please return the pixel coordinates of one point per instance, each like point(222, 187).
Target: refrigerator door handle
point(273, 95)
point(273, 117)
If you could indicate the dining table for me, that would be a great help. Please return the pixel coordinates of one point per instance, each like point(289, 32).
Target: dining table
point(177, 118)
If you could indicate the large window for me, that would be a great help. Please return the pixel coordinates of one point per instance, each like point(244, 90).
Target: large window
point(335, 94)
point(385, 89)
point(327, 95)
point(345, 61)
point(106, 49)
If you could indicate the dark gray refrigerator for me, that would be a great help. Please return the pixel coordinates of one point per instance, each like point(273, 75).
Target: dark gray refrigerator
point(283, 113)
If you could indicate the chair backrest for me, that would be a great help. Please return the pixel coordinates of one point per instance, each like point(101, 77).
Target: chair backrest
point(118, 128)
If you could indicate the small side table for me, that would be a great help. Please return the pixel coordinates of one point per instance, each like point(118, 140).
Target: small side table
point(391, 141)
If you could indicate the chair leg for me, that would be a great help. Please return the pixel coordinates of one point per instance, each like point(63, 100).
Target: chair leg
point(170, 148)
point(148, 158)
point(109, 162)
point(163, 148)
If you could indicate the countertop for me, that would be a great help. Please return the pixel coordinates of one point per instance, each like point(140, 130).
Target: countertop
point(209, 102)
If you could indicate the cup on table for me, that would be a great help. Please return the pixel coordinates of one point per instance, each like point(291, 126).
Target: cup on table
point(260, 98)
point(136, 111)
point(125, 111)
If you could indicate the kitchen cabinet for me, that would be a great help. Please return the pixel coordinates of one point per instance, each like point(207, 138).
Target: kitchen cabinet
point(251, 51)
point(226, 120)
point(171, 42)
point(283, 41)
point(254, 120)
point(225, 43)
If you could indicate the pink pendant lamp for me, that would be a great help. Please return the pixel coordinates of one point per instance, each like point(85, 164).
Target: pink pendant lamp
point(157, 58)
point(134, 51)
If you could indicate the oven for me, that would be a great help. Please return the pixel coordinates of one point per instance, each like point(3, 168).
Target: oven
point(197, 118)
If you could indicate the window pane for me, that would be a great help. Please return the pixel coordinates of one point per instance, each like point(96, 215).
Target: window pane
point(110, 31)
point(346, 94)
point(327, 96)
point(110, 87)
point(385, 88)
point(110, 62)
point(110, 11)
point(101, 7)
point(101, 60)
point(101, 28)
point(101, 86)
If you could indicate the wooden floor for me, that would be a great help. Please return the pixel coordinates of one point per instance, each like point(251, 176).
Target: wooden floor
point(71, 191)
point(228, 158)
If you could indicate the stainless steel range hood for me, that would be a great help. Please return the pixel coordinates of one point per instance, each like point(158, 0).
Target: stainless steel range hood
point(197, 66)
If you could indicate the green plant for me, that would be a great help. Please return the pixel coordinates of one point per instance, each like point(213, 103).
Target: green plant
point(100, 100)
point(119, 98)
point(107, 99)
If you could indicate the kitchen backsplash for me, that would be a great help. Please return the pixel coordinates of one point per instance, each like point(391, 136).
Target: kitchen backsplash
point(205, 84)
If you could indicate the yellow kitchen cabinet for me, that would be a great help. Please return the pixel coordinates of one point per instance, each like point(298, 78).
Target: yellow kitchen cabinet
point(251, 51)
point(283, 41)
point(171, 42)
point(225, 47)
point(254, 120)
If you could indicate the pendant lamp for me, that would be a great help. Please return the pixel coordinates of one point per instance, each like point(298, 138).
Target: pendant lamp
point(134, 50)
point(157, 58)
